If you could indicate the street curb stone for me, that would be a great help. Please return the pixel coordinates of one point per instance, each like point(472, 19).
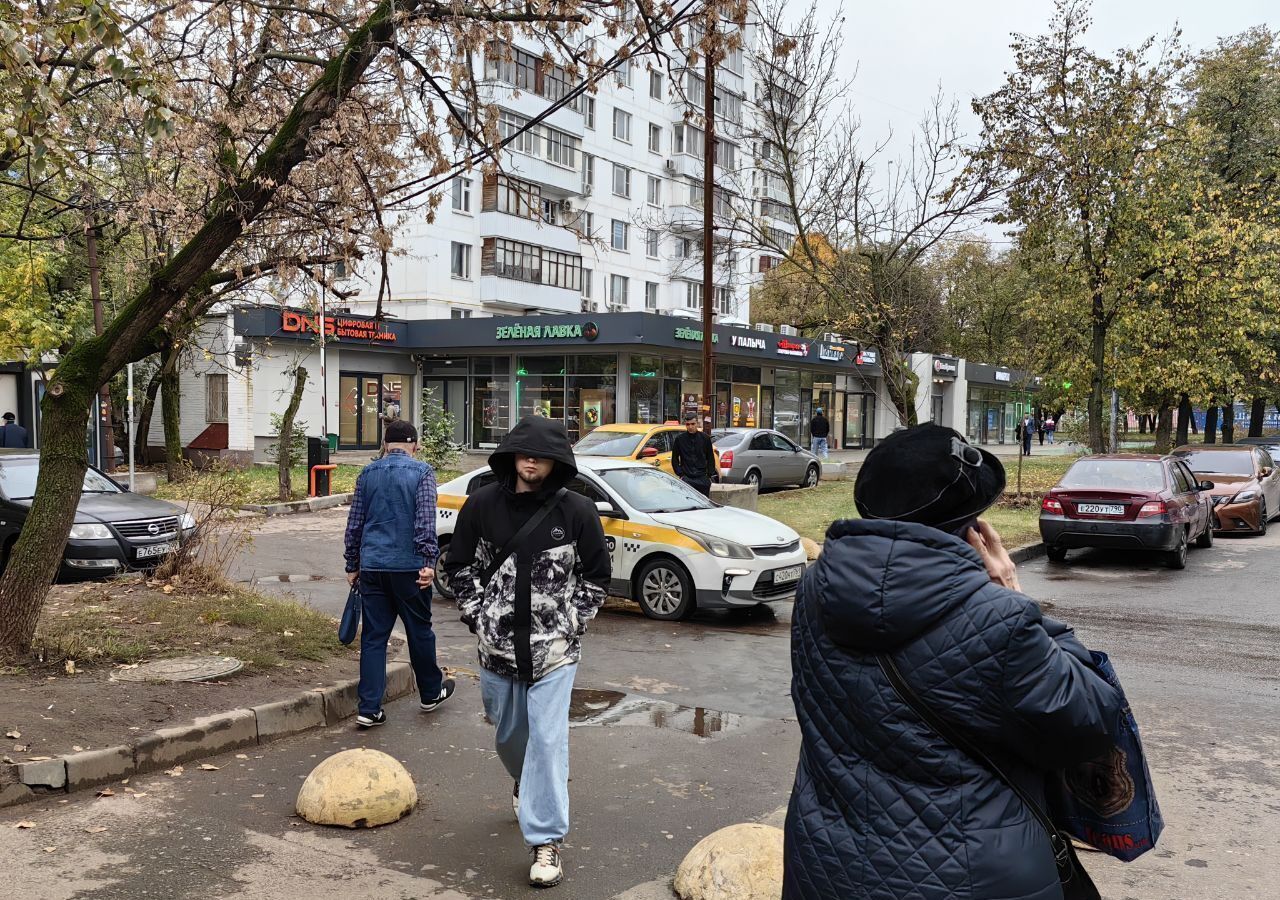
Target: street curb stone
point(1027, 552)
point(294, 507)
point(203, 737)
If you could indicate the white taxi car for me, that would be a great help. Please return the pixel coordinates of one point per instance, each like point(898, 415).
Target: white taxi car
point(673, 549)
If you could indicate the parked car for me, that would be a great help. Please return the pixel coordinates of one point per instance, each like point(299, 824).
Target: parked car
point(673, 550)
point(114, 530)
point(765, 458)
point(1246, 495)
point(1128, 502)
point(645, 443)
point(1270, 444)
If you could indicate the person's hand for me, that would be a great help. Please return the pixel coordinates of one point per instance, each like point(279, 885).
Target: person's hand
point(986, 540)
point(426, 575)
point(353, 577)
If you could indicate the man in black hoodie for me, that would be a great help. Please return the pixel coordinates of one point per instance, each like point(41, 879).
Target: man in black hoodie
point(693, 457)
point(529, 605)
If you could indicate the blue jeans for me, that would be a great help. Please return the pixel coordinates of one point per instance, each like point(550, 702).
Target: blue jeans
point(1049, 434)
point(532, 740)
point(384, 596)
point(819, 447)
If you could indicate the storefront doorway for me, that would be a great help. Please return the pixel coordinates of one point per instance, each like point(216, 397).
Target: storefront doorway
point(448, 395)
point(859, 417)
point(367, 401)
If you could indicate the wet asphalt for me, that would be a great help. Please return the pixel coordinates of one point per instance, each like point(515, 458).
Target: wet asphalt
point(681, 728)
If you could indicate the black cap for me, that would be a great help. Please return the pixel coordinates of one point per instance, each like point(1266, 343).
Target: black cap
point(930, 475)
point(8, 417)
point(398, 431)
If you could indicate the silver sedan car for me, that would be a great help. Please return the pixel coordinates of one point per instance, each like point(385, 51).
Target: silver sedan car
point(765, 458)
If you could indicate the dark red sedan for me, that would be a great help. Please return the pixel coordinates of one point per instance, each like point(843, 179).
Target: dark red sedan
point(1128, 502)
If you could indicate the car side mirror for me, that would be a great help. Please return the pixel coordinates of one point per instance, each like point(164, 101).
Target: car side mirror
point(604, 508)
point(648, 452)
point(1206, 485)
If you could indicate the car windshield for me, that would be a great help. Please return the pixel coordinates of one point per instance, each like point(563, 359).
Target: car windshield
point(1219, 462)
point(654, 491)
point(18, 480)
point(727, 438)
point(603, 442)
point(1133, 474)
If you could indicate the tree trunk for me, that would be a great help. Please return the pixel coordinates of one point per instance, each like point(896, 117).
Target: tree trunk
point(1184, 419)
point(1229, 423)
point(142, 438)
point(1211, 424)
point(1097, 393)
point(171, 414)
point(1164, 429)
point(284, 455)
point(130, 335)
point(1142, 423)
point(900, 384)
point(1257, 416)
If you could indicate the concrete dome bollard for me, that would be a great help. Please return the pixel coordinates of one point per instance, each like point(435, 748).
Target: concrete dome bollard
point(358, 788)
point(740, 862)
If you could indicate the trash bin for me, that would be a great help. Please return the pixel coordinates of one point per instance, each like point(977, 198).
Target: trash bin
point(318, 455)
point(333, 443)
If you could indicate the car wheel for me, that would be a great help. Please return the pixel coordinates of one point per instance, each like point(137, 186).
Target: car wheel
point(664, 590)
point(1262, 516)
point(752, 477)
point(441, 583)
point(812, 476)
point(1056, 554)
point(1177, 557)
point(1205, 541)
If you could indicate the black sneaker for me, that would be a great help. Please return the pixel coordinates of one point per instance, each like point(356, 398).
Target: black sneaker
point(446, 691)
point(515, 801)
point(378, 718)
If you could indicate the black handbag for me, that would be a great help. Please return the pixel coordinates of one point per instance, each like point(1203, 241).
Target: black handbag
point(1076, 883)
point(350, 622)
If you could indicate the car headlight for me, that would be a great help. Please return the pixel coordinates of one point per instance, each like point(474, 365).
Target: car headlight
point(188, 521)
point(718, 546)
point(90, 532)
point(1244, 497)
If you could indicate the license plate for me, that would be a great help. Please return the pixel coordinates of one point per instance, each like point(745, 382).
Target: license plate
point(157, 549)
point(1101, 509)
point(788, 575)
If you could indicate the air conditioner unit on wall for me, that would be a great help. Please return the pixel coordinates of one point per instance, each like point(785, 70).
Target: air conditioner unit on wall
point(788, 329)
point(832, 338)
point(586, 305)
point(671, 166)
point(763, 326)
point(566, 206)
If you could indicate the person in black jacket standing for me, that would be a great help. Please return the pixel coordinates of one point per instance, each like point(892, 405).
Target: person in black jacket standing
point(528, 602)
point(693, 458)
point(819, 432)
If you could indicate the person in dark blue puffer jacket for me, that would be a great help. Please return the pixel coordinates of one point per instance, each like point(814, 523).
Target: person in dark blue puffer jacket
point(883, 807)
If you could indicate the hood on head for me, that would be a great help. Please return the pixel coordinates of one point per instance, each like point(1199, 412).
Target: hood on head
point(535, 436)
point(879, 582)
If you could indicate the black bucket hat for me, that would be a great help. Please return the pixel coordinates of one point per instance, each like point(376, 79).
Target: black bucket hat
point(930, 475)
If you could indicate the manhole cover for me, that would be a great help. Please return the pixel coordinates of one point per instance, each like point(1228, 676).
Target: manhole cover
point(181, 668)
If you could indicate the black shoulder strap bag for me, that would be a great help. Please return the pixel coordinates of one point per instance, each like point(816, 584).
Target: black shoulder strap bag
point(518, 539)
point(1076, 884)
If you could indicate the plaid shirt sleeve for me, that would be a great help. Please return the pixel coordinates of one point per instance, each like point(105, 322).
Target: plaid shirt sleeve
point(424, 521)
point(355, 528)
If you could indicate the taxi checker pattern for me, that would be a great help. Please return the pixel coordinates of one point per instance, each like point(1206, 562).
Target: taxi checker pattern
point(555, 629)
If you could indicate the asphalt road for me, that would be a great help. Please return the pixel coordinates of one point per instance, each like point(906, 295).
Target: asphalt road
point(683, 728)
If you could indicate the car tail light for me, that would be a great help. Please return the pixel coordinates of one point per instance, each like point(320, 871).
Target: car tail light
point(1050, 504)
point(726, 459)
point(1154, 508)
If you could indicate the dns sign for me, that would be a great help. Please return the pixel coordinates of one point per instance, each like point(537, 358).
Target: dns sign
point(296, 322)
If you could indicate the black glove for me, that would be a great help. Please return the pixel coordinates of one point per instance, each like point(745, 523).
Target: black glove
point(469, 622)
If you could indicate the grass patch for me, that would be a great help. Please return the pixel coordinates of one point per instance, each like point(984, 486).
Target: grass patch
point(262, 483)
point(128, 621)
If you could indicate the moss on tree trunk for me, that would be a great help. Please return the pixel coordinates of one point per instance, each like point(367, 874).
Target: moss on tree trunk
point(284, 444)
point(171, 414)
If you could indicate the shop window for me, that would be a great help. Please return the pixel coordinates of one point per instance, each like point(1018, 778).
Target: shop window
point(590, 403)
point(215, 399)
point(594, 364)
point(491, 410)
point(646, 390)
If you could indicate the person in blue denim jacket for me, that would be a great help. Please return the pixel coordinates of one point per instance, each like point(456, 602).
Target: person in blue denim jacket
point(391, 552)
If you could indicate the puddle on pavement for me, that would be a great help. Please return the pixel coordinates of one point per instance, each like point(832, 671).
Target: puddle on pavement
point(593, 707)
point(286, 579)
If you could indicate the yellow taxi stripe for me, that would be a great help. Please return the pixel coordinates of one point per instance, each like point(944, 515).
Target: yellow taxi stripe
point(658, 534)
point(448, 501)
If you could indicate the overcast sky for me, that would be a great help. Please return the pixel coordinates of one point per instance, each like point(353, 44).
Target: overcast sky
point(903, 50)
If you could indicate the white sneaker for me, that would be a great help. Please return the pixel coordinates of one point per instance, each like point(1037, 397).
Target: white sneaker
point(546, 871)
point(515, 801)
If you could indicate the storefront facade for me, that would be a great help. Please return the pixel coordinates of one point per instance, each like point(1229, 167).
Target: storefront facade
point(998, 399)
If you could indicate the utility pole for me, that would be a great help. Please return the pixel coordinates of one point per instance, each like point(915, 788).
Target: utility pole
point(708, 228)
point(106, 446)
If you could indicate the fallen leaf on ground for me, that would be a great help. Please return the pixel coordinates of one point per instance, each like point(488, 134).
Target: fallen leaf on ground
point(76, 747)
point(13, 734)
point(49, 849)
point(38, 758)
point(25, 823)
point(209, 768)
point(96, 829)
point(168, 589)
point(174, 772)
point(242, 756)
point(70, 667)
point(106, 792)
point(257, 796)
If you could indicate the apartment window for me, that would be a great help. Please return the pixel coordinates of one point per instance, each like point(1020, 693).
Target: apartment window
point(589, 224)
point(651, 239)
point(460, 260)
point(562, 270)
point(215, 398)
point(586, 283)
point(724, 301)
point(677, 139)
point(729, 106)
point(589, 112)
point(529, 262)
point(509, 128)
point(683, 248)
point(551, 212)
point(588, 172)
point(650, 295)
point(734, 61)
point(456, 313)
point(512, 196)
point(624, 73)
point(655, 85)
point(621, 181)
point(562, 148)
point(340, 270)
point(692, 295)
point(768, 262)
point(462, 194)
point(655, 138)
point(621, 237)
point(622, 125)
point(653, 193)
point(618, 290)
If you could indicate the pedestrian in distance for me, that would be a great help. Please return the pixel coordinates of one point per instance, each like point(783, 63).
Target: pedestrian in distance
point(693, 457)
point(1040, 430)
point(819, 431)
point(530, 568)
point(13, 435)
point(1050, 426)
point(920, 591)
point(391, 552)
point(1028, 427)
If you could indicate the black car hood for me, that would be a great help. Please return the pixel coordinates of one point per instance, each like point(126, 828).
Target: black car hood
point(122, 507)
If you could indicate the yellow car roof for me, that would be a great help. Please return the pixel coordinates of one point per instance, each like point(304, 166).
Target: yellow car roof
point(632, 428)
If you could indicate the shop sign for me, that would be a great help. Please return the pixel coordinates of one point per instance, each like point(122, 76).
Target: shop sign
point(555, 332)
point(867, 358)
point(946, 365)
point(1002, 376)
point(831, 352)
point(792, 348)
point(343, 328)
point(747, 343)
point(684, 333)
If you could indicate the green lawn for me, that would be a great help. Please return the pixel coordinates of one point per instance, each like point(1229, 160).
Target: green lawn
point(811, 512)
point(261, 483)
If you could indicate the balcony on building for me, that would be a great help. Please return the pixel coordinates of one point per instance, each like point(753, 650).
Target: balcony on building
point(516, 276)
point(526, 84)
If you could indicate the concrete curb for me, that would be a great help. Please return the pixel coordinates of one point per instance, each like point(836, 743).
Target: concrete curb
point(1027, 552)
point(311, 504)
point(203, 737)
